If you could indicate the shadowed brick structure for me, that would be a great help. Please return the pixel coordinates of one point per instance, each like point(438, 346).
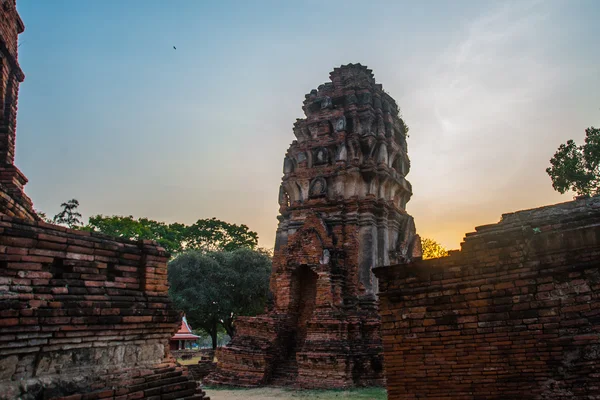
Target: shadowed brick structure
point(514, 315)
point(342, 212)
point(13, 201)
point(82, 315)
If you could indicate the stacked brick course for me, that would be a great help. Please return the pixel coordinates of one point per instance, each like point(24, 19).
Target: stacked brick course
point(342, 212)
point(13, 200)
point(82, 316)
point(202, 369)
point(514, 315)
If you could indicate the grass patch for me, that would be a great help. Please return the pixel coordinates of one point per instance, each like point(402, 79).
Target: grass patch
point(266, 393)
point(354, 394)
point(191, 361)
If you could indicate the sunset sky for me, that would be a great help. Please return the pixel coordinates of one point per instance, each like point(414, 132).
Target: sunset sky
point(112, 115)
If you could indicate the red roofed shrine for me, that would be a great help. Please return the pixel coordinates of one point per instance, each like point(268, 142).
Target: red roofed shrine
point(184, 337)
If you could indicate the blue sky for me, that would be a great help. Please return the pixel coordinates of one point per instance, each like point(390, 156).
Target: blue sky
point(112, 115)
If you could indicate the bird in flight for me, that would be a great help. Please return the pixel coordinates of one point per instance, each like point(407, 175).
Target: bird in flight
point(174, 47)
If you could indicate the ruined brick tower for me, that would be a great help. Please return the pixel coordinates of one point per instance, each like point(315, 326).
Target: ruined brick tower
point(13, 201)
point(342, 213)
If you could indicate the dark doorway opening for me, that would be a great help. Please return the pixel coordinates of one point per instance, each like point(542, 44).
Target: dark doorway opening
point(306, 295)
point(303, 288)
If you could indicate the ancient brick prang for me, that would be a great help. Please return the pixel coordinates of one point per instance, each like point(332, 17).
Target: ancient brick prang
point(514, 315)
point(342, 212)
point(82, 314)
point(13, 201)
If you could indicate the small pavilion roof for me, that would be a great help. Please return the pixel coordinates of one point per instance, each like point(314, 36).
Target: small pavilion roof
point(185, 332)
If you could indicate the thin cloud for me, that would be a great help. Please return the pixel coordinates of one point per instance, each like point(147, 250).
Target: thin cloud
point(477, 110)
point(492, 70)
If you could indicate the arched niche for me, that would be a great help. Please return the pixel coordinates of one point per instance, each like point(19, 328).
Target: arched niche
point(293, 191)
point(320, 156)
point(398, 165)
point(284, 197)
point(288, 165)
point(341, 153)
point(382, 154)
point(318, 187)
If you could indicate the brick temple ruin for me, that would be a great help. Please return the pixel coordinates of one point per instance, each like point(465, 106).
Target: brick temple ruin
point(82, 315)
point(342, 212)
point(514, 315)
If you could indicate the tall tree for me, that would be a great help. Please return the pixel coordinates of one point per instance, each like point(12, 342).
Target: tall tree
point(195, 288)
point(214, 288)
point(205, 235)
point(170, 236)
point(577, 168)
point(215, 235)
point(432, 249)
point(69, 216)
point(246, 286)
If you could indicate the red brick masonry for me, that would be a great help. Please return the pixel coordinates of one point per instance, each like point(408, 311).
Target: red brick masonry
point(85, 316)
point(82, 316)
point(342, 212)
point(514, 315)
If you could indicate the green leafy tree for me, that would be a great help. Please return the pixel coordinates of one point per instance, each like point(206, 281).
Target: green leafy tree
point(214, 288)
point(432, 249)
point(205, 235)
point(69, 216)
point(577, 168)
point(169, 236)
point(195, 288)
point(43, 216)
point(246, 286)
point(216, 235)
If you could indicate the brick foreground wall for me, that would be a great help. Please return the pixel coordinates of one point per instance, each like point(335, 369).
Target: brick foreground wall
point(514, 315)
point(83, 316)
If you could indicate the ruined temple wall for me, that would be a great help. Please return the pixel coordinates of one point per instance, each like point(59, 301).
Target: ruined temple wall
point(84, 315)
point(12, 198)
point(515, 314)
point(11, 76)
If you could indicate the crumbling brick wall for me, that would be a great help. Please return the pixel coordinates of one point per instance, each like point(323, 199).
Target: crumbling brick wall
point(514, 315)
point(81, 313)
point(13, 201)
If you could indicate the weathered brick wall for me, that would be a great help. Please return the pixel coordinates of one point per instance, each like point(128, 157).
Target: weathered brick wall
point(12, 198)
point(201, 369)
point(82, 316)
point(11, 76)
point(514, 315)
point(81, 313)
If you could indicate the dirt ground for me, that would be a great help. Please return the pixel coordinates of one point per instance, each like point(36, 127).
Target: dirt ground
point(287, 394)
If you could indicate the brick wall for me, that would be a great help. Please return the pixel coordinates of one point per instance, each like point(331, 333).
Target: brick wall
point(82, 316)
point(85, 316)
point(514, 315)
point(13, 200)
